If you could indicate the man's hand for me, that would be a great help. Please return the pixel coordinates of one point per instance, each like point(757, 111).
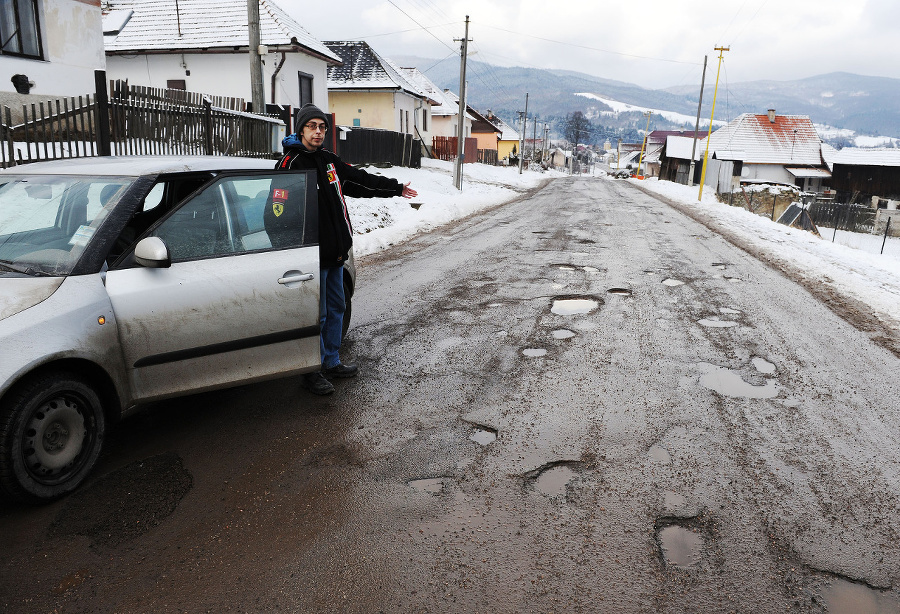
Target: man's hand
point(408, 192)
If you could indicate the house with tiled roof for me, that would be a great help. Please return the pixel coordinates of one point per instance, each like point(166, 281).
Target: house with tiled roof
point(766, 148)
point(203, 46)
point(43, 55)
point(368, 90)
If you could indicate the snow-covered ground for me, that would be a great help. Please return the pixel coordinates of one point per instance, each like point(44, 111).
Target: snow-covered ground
point(851, 265)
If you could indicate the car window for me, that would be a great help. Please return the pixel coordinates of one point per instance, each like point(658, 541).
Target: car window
point(46, 221)
point(239, 214)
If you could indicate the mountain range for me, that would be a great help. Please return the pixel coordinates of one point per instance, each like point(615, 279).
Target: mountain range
point(850, 103)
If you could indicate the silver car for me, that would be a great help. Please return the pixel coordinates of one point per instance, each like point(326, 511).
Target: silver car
point(133, 279)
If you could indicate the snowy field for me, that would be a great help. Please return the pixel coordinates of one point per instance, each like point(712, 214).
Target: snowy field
point(851, 265)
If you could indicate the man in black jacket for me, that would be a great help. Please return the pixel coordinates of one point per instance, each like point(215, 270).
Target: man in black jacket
point(335, 179)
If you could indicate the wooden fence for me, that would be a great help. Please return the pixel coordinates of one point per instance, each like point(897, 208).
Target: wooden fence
point(446, 148)
point(855, 218)
point(374, 146)
point(129, 120)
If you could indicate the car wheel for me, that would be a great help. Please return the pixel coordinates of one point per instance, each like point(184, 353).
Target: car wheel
point(348, 308)
point(51, 432)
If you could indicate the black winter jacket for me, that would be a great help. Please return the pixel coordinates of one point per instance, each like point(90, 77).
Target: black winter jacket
point(337, 179)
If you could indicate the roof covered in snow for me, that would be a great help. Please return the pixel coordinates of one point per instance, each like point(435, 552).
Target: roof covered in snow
point(365, 69)
point(790, 139)
point(508, 133)
point(858, 156)
point(131, 26)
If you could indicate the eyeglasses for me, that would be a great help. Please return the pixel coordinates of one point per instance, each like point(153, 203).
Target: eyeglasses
point(314, 126)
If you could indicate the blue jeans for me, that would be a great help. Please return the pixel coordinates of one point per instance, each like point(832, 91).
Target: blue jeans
point(331, 314)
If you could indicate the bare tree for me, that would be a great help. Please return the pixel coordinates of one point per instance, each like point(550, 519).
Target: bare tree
point(578, 128)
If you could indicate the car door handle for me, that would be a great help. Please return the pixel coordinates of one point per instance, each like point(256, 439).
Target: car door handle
point(295, 278)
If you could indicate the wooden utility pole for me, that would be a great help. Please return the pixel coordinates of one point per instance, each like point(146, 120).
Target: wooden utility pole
point(697, 125)
point(721, 51)
point(461, 128)
point(257, 97)
point(524, 129)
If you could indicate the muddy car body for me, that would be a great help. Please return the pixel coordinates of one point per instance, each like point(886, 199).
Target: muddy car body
point(125, 281)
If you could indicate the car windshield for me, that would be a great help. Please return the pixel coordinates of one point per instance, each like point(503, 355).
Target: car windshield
point(47, 220)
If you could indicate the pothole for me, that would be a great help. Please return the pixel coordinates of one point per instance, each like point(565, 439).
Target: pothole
point(126, 503)
point(659, 454)
point(574, 305)
point(619, 291)
point(845, 597)
point(763, 366)
point(680, 546)
point(534, 352)
point(720, 265)
point(672, 282)
point(483, 436)
point(553, 478)
point(716, 323)
point(562, 333)
point(434, 486)
point(730, 384)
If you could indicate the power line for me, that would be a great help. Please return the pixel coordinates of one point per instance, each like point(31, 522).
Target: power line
point(420, 25)
point(630, 55)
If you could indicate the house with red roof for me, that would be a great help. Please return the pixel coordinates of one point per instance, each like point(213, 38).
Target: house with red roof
point(766, 148)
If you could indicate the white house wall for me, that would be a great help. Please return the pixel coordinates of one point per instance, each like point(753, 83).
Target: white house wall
point(774, 173)
point(445, 125)
point(72, 40)
point(223, 74)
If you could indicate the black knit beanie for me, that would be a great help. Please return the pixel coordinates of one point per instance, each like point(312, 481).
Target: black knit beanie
point(307, 112)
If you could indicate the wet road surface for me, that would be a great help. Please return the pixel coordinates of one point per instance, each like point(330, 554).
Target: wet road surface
point(582, 401)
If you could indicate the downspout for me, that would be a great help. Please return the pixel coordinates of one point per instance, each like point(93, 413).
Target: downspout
point(275, 74)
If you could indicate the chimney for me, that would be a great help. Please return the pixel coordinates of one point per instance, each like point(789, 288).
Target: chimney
point(772, 116)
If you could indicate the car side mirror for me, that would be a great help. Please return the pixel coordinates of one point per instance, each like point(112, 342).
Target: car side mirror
point(152, 252)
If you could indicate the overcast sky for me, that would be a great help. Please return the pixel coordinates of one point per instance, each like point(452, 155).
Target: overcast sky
point(654, 44)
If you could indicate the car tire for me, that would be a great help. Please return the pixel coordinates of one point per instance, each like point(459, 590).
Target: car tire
point(348, 308)
point(51, 431)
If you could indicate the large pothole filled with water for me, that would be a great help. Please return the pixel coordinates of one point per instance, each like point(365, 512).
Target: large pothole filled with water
point(575, 305)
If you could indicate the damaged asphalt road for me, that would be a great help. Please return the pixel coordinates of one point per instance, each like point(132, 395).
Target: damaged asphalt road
point(581, 401)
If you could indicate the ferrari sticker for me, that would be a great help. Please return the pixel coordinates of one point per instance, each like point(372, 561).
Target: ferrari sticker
point(279, 194)
point(278, 209)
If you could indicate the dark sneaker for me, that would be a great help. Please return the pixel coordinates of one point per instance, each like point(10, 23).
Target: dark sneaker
point(317, 384)
point(340, 370)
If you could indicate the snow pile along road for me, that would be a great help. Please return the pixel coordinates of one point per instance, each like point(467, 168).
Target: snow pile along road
point(380, 222)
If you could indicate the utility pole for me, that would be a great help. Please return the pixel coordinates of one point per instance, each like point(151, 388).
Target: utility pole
point(697, 125)
point(257, 97)
point(534, 138)
point(524, 129)
point(546, 147)
point(721, 51)
point(646, 139)
point(461, 128)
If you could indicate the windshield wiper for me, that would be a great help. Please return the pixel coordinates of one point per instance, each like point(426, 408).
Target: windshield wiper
point(9, 266)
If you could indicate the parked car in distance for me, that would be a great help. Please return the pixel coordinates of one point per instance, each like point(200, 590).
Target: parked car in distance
point(621, 174)
point(127, 280)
